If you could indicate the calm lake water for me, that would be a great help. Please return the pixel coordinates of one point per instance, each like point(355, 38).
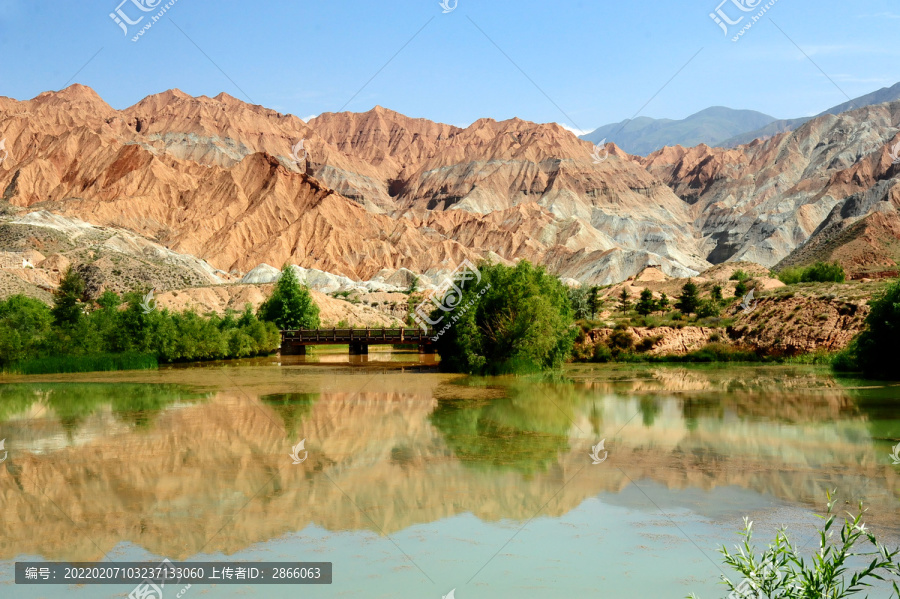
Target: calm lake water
point(418, 483)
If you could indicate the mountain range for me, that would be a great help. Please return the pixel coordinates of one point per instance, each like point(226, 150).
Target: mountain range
point(372, 193)
point(716, 126)
point(712, 126)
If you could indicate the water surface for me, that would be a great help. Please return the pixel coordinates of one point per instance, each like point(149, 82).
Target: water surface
point(418, 482)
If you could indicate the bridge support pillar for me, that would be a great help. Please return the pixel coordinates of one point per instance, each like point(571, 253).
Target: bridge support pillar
point(289, 349)
point(359, 349)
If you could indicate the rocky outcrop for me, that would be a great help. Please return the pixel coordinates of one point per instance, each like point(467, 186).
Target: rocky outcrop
point(662, 341)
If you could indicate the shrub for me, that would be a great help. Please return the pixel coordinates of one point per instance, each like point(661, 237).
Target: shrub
point(707, 309)
point(602, 353)
point(648, 343)
point(841, 567)
point(739, 275)
point(820, 272)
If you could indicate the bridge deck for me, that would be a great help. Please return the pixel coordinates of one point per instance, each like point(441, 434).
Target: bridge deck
point(296, 341)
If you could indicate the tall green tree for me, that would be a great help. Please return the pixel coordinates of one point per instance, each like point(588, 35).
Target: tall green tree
point(689, 300)
point(514, 319)
point(291, 305)
point(579, 299)
point(624, 300)
point(646, 304)
point(662, 303)
point(67, 306)
point(741, 289)
point(596, 303)
point(716, 294)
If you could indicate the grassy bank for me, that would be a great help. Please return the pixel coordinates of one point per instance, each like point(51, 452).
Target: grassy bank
point(90, 363)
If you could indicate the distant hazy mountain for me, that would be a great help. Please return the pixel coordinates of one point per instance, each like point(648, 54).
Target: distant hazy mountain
point(885, 94)
point(712, 126)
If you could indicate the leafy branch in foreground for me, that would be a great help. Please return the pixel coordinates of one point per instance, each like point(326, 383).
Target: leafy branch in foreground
point(837, 570)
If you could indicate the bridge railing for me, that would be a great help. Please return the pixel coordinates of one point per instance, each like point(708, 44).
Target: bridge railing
point(368, 335)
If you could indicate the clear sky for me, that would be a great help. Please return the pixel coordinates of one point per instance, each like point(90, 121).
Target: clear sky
point(577, 62)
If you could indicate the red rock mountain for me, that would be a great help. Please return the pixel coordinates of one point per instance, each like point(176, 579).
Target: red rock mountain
point(220, 179)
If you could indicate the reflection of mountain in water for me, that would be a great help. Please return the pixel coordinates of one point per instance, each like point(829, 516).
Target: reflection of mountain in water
point(421, 447)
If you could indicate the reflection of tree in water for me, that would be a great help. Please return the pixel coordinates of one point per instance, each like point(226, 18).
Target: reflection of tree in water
point(524, 431)
point(133, 403)
point(292, 408)
point(877, 402)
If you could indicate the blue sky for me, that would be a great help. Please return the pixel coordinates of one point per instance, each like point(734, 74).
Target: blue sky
point(591, 62)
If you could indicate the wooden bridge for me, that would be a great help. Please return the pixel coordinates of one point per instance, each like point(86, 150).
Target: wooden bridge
point(295, 342)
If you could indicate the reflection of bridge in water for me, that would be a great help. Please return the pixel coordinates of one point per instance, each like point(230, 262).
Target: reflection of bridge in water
point(294, 343)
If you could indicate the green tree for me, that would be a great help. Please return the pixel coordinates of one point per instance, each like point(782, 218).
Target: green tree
point(874, 351)
point(291, 305)
point(579, 299)
point(689, 300)
point(716, 294)
point(662, 303)
point(24, 327)
point(596, 303)
point(646, 305)
point(624, 300)
point(513, 319)
point(67, 308)
point(741, 289)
